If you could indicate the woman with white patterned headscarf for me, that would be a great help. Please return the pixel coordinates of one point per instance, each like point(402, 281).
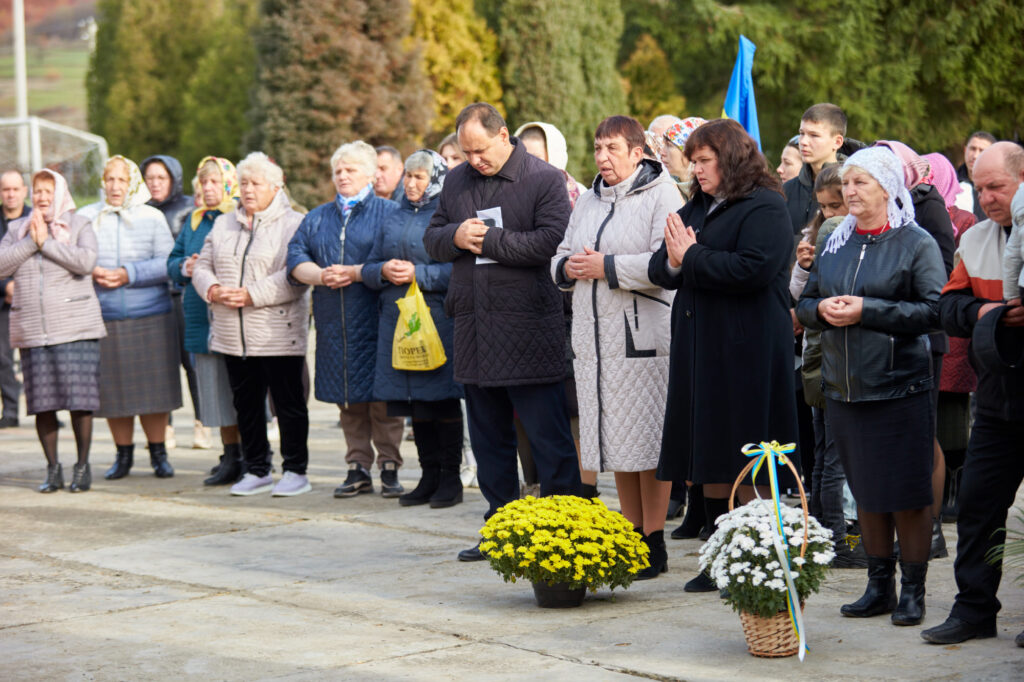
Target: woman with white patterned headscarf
point(140, 353)
point(874, 293)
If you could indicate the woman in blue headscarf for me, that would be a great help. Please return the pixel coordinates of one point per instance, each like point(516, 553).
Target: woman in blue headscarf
point(430, 398)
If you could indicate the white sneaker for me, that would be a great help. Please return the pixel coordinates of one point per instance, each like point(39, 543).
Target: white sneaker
point(201, 439)
point(253, 485)
point(291, 484)
point(169, 442)
point(468, 476)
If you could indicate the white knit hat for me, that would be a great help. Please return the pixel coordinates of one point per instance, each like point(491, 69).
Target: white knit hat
point(887, 169)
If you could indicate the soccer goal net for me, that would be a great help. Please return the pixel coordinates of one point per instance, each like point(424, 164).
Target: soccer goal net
point(30, 144)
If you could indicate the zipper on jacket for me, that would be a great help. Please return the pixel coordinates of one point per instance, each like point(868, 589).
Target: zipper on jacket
point(124, 303)
point(597, 342)
point(344, 326)
point(892, 352)
point(846, 330)
point(241, 280)
point(42, 308)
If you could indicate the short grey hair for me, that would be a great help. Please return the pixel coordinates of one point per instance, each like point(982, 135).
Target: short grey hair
point(259, 165)
point(419, 161)
point(357, 152)
point(668, 120)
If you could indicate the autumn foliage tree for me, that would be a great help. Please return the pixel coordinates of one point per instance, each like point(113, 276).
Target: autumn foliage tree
point(334, 71)
point(650, 87)
point(460, 58)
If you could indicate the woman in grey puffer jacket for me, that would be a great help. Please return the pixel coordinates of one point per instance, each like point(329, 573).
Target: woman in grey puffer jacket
point(56, 320)
point(621, 329)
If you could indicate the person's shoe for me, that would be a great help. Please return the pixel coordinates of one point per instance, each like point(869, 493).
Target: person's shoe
point(389, 485)
point(170, 442)
point(658, 556)
point(910, 608)
point(291, 484)
point(880, 595)
point(158, 459)
point(54, 479)
point(702, 583)
point(675, 509)
point(122, 463)
point(357, 482)
point(695, 520)
point(529, 490)
point(253, 485)
point(231, 467)
point(468, 475)
point(954, 631)
point(850, 553)
point(201, 439)
point(939, 550)
point(472, 554)
point(8, 422)
point(590, 491)
point(426, 487)
point(449, 489)
point(81, 479)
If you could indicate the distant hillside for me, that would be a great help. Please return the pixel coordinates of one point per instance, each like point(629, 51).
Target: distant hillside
point(51, 17)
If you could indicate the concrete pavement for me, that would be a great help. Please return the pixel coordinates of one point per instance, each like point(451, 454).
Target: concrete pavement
point(166, 579)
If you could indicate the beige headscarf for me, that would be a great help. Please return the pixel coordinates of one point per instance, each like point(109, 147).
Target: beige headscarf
point(55, 216)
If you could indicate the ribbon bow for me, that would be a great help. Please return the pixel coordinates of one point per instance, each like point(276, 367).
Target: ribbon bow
point(772, 454)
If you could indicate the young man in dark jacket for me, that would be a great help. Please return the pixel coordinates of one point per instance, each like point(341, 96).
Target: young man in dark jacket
point(500, 219)
point(971, 306)
point(822, 129)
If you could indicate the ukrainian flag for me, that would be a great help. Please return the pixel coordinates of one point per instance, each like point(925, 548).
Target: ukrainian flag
point(739, 101)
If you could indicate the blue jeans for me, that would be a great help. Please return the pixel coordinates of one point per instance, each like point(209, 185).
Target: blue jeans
point(827, 478)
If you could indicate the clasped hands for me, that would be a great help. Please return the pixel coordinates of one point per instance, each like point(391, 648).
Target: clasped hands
point(338, 276)
point(37, 228)
point(586, 265)
point(678, 239)
point(110, 278)
point(398, 271)
point(841, 311)
point(232, 297)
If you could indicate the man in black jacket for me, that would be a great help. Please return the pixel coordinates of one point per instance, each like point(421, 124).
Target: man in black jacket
point(971, 306)
point(822, 129)
point(13, 192)
point(978, 142)
point(500, 219)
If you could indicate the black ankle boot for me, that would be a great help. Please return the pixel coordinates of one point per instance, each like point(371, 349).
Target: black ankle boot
point(81, 480)
point(449, 486)
point(158, 458)
point(54, 479)
point(449, 489)
point(122, 462)
point(938, 549)
point(590, 491)
point(695, 520)
point(658, 556)
point(425, 434)
point(231, 466)
point(880, 595)
point(910, 609)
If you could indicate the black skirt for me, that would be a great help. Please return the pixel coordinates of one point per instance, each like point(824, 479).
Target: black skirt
point(886, 450)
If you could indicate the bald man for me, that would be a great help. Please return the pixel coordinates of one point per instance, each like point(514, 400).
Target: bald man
point(12, 192)
point(994, 465)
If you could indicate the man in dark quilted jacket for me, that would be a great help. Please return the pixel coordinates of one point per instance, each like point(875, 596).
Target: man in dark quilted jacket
point(501, 217)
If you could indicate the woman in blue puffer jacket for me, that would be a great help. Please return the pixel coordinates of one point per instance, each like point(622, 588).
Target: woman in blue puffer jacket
point(140, 354)
point(430, 398)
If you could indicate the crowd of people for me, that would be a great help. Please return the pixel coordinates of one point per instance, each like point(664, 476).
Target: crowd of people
point(647, 324)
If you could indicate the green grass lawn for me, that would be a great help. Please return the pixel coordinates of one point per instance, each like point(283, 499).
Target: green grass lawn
point(56, 82)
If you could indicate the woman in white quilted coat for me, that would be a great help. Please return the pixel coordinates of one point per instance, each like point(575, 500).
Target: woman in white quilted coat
point(621, 328)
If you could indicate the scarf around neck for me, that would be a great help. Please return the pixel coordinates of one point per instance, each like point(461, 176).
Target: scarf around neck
point(229, 197)
point(137, 194)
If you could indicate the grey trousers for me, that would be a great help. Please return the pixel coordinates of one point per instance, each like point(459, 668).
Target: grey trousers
point(10, 387)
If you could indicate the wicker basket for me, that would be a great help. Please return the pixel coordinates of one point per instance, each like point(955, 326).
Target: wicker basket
point(772, 637)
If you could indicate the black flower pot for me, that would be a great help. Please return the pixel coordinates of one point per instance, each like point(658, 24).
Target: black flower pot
point(558, 596)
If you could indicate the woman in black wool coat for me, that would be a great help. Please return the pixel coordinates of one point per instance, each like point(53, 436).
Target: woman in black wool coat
point(731, 378)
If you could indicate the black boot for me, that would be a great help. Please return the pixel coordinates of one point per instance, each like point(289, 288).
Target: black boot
point(54, 479)
point(158, 458)
point(231, 466)
point(81, 480)
point(658, 556)
point(449, 487)
point(590, 491)
point(424, 433)
point(951, 502)
point(938, 550)
point(695, 519)
point(713, 508)
point(910, 609)
point(122, 462)
point(880, 595)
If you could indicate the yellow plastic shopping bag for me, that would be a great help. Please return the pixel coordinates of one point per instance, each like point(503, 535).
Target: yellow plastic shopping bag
point(417, 345)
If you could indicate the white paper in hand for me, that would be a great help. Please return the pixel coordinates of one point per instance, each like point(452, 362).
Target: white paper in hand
point(492, 218)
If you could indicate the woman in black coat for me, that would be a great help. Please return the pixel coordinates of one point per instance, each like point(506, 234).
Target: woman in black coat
point(731, 376)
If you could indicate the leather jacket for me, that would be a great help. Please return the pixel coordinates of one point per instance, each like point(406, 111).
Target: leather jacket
point(900, 275)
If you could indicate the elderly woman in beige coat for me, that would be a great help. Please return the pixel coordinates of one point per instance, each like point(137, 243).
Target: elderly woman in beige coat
point(259, 323)
point(621, 328)
point(56, 320)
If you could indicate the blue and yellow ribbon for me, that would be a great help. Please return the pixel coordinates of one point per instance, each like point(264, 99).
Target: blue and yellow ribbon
point(773, 455)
